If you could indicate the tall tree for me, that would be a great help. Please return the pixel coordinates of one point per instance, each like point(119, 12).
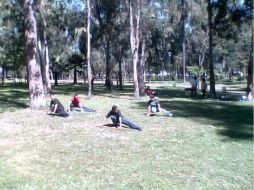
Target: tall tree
point(250, 76)
point(141, 66)
point(210, 56)
point(106, 14)
point(43, 47)
point(36, 94)
point(184, 10)
point(134, 11)
point(89, 71)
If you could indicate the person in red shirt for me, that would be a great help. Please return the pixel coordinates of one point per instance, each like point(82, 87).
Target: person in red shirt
point(75, 103)
point(148, 91)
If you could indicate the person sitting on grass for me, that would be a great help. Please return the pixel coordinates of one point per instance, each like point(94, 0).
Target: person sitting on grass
point(118, 119)
point(75, 103)
point(154, 107)
point(56, 107)
point(149, 91)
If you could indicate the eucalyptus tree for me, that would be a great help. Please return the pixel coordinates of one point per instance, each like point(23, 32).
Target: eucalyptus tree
point(121, 42)
point(105, 15)
point(134, 15)
point(185, 12)
point(224, 19)
point(89, 72)
point(43, 45)
point(157, 30)
point(12, 40)
point(36, 94)
point(61, 31)
point(250, 76)
point(248, 5)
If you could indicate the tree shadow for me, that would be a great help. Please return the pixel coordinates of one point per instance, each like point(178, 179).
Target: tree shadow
point(11, 99)
point(232, 120)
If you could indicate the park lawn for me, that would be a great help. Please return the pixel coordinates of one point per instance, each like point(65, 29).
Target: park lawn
point(207, 145)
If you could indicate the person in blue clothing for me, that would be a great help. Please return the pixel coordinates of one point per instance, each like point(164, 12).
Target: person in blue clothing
point(154, 107)
point(118, 119)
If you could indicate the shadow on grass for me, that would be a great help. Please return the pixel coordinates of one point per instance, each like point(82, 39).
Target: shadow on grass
point(81, 88)
point(11, 99)
point(232, 120)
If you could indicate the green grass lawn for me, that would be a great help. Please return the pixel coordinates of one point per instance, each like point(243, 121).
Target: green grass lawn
point(207, 145)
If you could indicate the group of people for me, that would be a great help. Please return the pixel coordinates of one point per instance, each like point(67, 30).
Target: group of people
point(114, 114)
point(194, 86)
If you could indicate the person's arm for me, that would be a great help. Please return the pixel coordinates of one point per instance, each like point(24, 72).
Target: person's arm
point(79, 103)
point(108, 115)
point(55, 108)
point(50, 106)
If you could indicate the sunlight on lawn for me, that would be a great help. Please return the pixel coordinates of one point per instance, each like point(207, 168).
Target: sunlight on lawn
point(39, 151)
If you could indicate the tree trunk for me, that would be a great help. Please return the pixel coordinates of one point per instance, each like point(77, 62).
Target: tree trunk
point(184, 62)
point(3, 74)
point(75, 81)
point(134, 40)
point(89, 70)
point(36, 95)
point(44, 50)
point(141, 67)
point(56, 77)
point(210, 58)
point(250, 76)
point(108, 82)
point(183, 37)
point(120, 76)
point(149, 66)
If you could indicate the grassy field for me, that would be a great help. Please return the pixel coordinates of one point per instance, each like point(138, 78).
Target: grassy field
point(207, 145)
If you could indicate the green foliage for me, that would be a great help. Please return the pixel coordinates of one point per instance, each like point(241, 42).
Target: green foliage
point(193, 70)
point(160, 26)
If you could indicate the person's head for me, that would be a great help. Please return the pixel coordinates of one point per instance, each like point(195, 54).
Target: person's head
point(76, 95)
point(52, 95)
point(148, 87)
point(195, 78)
point(114, 108)
point(203, 79)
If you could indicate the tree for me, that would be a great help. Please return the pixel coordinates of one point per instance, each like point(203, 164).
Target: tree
point(105, 14)
point(36, 94)
point(184, 10)
point(43, 47)
point(89, 73)
point(225, 17)
point(210, 56)
point(250, 75)
point(134, 13)
point(141, 66)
